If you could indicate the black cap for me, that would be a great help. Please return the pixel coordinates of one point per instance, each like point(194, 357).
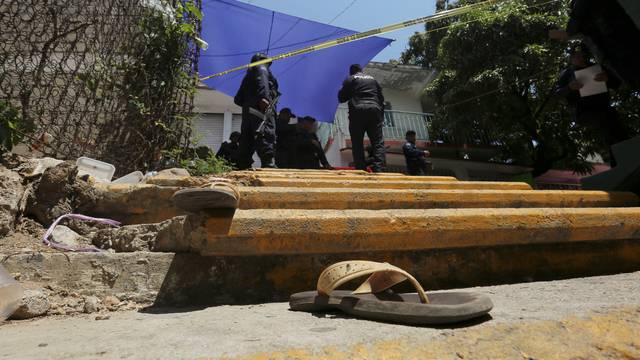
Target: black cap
point(579, 47)
point(287, 110)
point(354, 69)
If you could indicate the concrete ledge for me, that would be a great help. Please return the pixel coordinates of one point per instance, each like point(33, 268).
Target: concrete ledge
point(145, 204)
point(308, 171)
point(378, 199)
point(183, 181)
point(138, 276)
point(393, 184)
point(135, 204)
point(190, 279)
point(265, 232)
point(314, 176)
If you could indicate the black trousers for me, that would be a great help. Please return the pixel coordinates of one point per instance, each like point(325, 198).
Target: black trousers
point(285, 158)
point(250, 142)
point(417, 168)
point(369, 121)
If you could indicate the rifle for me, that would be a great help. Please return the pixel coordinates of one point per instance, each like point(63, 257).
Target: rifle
point(270, 110)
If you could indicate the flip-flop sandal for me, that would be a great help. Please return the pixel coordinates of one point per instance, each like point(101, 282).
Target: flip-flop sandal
point(218, 195)
point(374, 301)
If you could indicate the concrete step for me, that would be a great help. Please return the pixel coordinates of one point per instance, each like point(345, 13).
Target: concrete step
point(141, 204)
point(272, 232)
point(240, 175)
point(379, 199)
point(193, 280)
point(392, 184)
point(319, 171)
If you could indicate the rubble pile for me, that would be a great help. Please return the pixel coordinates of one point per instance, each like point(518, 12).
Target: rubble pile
point(36, 192)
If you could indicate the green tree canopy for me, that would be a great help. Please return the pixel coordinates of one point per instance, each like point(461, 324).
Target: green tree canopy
point(496, 73)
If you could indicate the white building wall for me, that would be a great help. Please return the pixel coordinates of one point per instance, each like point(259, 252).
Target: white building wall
point(208, 131)
point(402, 101)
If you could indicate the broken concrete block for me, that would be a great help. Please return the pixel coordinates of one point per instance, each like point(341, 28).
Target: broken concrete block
point(34, 303)
point(175, 172)
point(91, 304)
point(111, 303)
point(35, 167)
point(59, 192)
point(63, 235)
point(130, 238)
point(11, 192)
point(166, 236)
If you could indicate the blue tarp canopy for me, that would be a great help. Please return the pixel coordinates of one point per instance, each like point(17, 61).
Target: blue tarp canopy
point(309, 83)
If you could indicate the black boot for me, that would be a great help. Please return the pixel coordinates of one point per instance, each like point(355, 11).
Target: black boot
point(268, 163)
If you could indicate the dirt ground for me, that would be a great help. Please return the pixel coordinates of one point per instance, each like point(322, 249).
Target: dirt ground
point(17, 242)
point(588, 318)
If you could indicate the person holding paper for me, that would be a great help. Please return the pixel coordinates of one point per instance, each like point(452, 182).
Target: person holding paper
point(611, 30)
point(586, 88)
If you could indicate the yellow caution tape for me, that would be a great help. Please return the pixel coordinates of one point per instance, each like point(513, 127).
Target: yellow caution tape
point(360, 36)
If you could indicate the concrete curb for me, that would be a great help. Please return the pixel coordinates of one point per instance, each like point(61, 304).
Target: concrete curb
point(393, 184)
point(191, 280)
point(265, 232)
point(144, 204)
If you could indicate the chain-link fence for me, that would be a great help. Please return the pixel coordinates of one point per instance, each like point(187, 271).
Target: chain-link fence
point(108, 79)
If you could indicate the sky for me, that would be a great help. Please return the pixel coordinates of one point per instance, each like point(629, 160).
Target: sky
point(361, 16)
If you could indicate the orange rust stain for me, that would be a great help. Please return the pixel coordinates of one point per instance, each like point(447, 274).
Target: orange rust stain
point(281, 276)
point(137, 210)
point(612, 335)
point(392, 184)
point(327, 231)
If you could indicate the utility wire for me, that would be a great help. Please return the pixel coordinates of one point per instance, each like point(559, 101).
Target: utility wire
point(367, 34)
point(342, 12)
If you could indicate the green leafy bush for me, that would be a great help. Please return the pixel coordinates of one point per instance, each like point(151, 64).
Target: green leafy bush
point(210, 166)
point(196, 165)
point(11, 127)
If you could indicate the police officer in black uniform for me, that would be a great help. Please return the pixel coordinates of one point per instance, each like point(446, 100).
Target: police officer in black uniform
point(229, 150)
point(416, 159)
point(594, 112)
point(257, 96)
point(366, 115)
point(309, 153)
point(285, 140)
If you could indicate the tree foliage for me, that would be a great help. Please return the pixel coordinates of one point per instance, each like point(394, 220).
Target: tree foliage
point(496, 73)
point(155, 80)
point(11, 127)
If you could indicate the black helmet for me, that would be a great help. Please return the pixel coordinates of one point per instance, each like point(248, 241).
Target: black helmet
point(258, 57)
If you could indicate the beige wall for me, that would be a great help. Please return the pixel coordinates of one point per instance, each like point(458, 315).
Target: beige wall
point(402, 101)
point(214, 102)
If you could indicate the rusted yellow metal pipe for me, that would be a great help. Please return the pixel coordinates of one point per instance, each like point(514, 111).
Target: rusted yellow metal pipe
point(271, 232)
point(392, 184)
point(138, 204)
point(241, 175)
point(377, 199)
